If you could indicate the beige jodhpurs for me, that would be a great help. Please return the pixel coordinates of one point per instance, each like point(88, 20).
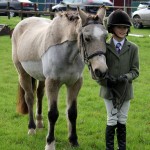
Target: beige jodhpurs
point(114, 115)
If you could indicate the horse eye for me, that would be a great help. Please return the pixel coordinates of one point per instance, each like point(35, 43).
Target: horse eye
point(87, 39)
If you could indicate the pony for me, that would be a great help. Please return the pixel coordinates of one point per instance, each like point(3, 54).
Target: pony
point(53, 53)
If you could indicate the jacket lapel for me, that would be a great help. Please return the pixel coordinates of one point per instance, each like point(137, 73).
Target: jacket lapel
point(111, 47)
point(126, 47)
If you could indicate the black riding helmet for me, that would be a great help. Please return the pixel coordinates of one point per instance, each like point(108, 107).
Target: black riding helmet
point(118, 17)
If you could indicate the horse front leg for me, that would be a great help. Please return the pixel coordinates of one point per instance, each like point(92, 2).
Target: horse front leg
point(40, 94)
point(52, 89)
point(72, 111)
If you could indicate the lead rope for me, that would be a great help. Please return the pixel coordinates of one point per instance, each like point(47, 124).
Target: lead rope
point(119, 102)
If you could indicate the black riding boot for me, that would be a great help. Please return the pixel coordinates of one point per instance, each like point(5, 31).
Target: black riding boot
point(110, 132)
point(121, 136)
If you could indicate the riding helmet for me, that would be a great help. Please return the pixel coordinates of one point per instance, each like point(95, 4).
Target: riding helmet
point(118, 17)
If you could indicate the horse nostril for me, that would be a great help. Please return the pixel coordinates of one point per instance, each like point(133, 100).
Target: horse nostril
point(99, 74)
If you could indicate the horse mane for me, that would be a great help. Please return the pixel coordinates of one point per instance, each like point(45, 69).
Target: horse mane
point(70, 15)
point(74, 15)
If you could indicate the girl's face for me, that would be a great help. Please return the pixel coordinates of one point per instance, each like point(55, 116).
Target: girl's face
point(120, 32)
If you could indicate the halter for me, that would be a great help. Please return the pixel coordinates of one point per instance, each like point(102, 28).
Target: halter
point(85, 55)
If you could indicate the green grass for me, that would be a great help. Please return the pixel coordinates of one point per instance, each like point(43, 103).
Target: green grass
point(91, 109)
point(10, 22)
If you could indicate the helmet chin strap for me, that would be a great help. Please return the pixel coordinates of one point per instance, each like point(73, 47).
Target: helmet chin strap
point(116, 35)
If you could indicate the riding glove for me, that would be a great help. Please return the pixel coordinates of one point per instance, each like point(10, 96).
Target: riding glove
point(122, 78)
point(111, 81)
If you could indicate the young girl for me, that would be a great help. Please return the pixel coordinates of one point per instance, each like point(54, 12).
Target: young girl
point(123, 67)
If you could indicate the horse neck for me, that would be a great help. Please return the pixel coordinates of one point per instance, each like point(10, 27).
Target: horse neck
point(65, 27)
point(61, 30)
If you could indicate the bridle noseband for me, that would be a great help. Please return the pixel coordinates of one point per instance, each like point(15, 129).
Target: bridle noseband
point(97, 53)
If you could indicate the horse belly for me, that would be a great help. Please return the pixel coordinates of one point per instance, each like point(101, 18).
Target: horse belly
point(34, 69)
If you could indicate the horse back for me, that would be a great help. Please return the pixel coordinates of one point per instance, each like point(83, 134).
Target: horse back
point(26, 38)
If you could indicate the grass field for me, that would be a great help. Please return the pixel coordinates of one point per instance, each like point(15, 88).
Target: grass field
point(91, 120)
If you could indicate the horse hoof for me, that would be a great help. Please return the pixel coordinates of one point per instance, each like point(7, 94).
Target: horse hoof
point(50, 146)
point(39, 124)
point(31, 132)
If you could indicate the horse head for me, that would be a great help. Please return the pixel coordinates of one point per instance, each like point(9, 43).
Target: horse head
point(92, 42)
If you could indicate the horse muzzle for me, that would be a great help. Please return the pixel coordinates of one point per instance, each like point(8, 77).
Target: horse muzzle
point(98, 74)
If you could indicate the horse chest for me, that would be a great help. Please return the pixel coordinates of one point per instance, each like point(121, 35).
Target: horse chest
point(63, 62)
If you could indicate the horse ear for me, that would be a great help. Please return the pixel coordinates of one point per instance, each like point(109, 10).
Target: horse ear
point(101, 12)
point(83, 16)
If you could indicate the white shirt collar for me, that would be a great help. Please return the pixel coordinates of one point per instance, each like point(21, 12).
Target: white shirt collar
point(115, 42)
